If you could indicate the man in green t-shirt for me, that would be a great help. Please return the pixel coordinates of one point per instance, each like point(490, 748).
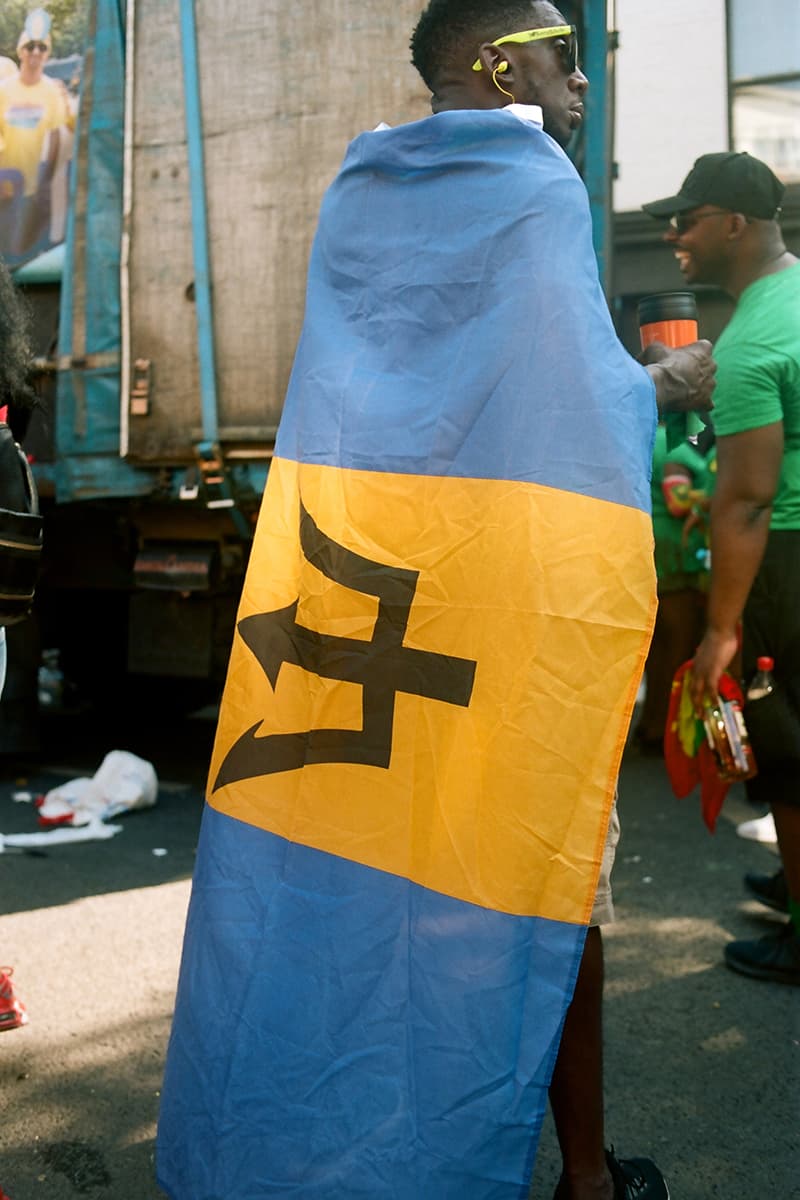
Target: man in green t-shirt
point(724, 231)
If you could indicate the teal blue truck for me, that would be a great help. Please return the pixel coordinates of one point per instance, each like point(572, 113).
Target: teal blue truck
point(207, 132)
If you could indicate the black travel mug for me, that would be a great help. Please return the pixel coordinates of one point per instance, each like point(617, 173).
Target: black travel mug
point(670, 318)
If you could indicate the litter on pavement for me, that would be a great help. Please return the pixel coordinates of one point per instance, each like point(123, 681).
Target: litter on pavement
point(80, 810)
point(95, 831)
point(123, 782)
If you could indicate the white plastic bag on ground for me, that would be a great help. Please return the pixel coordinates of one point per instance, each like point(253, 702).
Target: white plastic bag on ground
point(122, 782)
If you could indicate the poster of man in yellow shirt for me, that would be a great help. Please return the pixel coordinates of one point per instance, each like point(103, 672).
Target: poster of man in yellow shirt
point(37, 117)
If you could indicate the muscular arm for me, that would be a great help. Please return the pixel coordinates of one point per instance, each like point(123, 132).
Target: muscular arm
point(748, 469)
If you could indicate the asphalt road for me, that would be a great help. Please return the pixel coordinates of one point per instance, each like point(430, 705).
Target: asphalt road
point(702, 1066)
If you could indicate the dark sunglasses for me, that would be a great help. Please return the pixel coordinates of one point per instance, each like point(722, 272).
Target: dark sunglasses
point(683, 222)
point(42, 46)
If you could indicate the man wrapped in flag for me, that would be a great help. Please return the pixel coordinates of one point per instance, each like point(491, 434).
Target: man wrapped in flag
point(445, 619)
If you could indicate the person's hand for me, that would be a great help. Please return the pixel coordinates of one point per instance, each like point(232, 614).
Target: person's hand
point(684, 377)
point(653, 352)
point(713, 655)
point(695, 520)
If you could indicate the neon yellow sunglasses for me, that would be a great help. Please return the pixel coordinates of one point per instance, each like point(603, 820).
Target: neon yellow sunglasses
point(536, 35)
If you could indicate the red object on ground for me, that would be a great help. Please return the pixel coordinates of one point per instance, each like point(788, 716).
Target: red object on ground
point(12, 1010)
point(52, 823)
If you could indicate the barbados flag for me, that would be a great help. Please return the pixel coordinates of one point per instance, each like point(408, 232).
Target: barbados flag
point(444, 623)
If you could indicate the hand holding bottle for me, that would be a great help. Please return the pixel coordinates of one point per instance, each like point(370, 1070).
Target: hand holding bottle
point(713, 656)
point(680, 366)
point(684, 379)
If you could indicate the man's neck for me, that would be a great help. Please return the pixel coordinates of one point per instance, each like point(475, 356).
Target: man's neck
point(769, 258)
point(453, 94)
point(779, 262)
point(30, 78)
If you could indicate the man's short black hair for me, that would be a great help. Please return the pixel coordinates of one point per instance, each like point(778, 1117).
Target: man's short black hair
point(449, 30)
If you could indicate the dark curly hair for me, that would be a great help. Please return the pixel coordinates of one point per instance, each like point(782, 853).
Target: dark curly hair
point(449, 32)
point(15, 346)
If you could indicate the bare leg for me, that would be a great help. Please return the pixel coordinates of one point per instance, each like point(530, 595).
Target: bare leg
point(679, 627)
point(787, 828)
point(576, 1090)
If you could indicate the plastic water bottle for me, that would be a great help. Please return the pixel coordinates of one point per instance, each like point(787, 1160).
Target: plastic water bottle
point(762, 682)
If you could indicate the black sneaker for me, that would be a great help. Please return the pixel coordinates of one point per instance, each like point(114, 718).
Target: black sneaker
point(636, 1178)
point(769, 889)
point(633, 1178)
point(775, 957)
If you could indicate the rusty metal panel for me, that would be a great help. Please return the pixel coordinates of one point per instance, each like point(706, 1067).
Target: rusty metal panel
point(284, 88)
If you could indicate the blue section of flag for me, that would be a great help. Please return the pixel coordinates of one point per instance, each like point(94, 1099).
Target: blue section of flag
point(455, 323)
point(347, 1035)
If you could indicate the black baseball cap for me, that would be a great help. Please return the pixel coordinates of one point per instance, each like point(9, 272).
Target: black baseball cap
point(730, 179)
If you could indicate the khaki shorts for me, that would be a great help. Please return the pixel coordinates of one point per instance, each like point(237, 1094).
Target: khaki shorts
point(603, 911)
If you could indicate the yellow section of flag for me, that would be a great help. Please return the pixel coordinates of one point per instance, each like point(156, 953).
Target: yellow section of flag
point(455, 661)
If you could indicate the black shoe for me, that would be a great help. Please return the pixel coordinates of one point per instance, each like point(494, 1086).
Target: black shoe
point(775, 957)
point(633, 1178)
point(636, 1178)
point(769, 889)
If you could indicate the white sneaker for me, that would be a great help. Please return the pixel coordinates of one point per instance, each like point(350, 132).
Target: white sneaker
point(762, 829)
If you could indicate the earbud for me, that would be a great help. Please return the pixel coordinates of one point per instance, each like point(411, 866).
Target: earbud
point(499, 70)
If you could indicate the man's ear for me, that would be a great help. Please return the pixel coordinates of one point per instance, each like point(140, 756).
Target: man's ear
point(738, 226)
point(492, 58)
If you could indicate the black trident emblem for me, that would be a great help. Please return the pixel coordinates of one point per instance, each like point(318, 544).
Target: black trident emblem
point(382, 666)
